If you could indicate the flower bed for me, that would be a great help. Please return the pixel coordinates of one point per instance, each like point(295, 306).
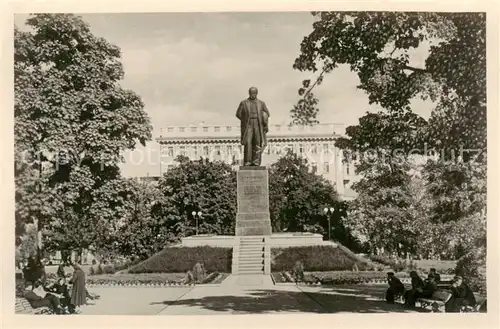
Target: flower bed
point(149, 279)
point(342, 277)
point(137, 279)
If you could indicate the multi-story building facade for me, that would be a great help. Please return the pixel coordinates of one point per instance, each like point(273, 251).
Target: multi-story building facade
point(222, 143)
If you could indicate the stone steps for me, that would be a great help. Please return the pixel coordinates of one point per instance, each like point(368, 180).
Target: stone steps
point(251, 255)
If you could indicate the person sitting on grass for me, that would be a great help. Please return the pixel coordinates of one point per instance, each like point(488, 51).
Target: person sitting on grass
point(396, 287)
point(461, 296)
point(417, 285)
point(436, 275)
point(38, 297)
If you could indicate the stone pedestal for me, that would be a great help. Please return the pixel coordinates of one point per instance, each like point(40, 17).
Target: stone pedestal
point(253, 216)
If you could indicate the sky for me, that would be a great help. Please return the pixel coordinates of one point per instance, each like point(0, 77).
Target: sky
point(197, 67)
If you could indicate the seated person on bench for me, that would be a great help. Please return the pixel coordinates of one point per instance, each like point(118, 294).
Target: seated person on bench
point(38, 297)
point(461, 295)
point(436, 275)
point(396, 287)
point(417, 286)
point(430, 286)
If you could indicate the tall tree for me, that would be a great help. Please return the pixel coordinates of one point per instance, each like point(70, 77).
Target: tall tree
point(72, 117)
point(201, 185)
point(298, 196)
point(378, 45)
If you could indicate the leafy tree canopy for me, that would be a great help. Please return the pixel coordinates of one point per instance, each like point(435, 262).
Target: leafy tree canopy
point(378, 45)
point(72, 121)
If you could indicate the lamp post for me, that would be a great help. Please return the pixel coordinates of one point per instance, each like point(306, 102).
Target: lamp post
point(196, 216)
point(329, 213)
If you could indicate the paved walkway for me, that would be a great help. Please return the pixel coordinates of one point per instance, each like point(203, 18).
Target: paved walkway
point(241, 295)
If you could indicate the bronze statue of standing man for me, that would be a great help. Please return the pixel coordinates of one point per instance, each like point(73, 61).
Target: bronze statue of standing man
point(253, 115)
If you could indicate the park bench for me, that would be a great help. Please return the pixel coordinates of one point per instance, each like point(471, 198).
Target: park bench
point(23, 306)
point(436, 302)
point(440, 297)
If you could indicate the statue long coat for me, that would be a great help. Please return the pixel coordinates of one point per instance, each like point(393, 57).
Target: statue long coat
point(243, 114)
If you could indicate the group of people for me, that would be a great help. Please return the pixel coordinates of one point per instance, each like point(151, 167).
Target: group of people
point(57, 295)
point(461, 294)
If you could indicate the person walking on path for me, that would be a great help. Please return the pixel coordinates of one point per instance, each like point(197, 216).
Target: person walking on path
point(79, 292)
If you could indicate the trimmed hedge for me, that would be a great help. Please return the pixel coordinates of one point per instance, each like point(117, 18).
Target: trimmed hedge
point(182, 259)
point(314, 258)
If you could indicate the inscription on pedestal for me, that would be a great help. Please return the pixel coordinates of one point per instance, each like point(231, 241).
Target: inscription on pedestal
point(253, 203)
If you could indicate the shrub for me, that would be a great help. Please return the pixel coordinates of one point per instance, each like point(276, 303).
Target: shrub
point(99, 270)
point(313, 258)
point(189, 277)
point(472, 267)
point(109, 269)
point(91, 270)
point(182, 259)
point(298, 271)
point(199, 273)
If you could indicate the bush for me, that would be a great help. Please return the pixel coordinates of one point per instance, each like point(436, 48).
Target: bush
point(91, 270)
point(472, 267)
point(182, 259)
point(108, 269)
point(199, 273)
point(314, 258)
point(99, 270)
point(298, 271)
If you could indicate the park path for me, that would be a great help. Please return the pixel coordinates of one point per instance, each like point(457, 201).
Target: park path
point(241, 295)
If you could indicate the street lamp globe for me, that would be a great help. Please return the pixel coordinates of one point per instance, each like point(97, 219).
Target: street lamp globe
point(193, 213)
point(199, 213)
point(332, 210)
point(326, 210)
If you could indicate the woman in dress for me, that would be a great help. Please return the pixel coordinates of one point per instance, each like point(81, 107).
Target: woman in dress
point(78, 292)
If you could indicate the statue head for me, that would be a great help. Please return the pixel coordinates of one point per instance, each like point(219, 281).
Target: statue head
point(252, 92)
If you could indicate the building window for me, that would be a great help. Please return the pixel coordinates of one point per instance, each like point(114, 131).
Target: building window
point(325, 148)
point(347, 169)
point(170, 129)
point(314, 168)
point(314, 150)
point(278, 127)
point(170, 167)
point(216, 129)
point(217, 149)
point(205, 129)
point(301, 148)
point(229, 149)
point(228, 128)
point(181, 129)
point(290, 147)
point(182, 150)
point(326, 167)
point(170, 151)
point(205, 151)
point(194, 129)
